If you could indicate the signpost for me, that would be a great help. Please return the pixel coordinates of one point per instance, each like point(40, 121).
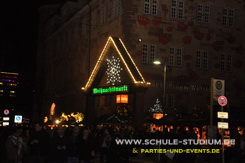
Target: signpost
point(222, 100)
point(6, 119)
point(217, 87)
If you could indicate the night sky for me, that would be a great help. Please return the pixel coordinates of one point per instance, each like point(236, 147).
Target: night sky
point(18, 45)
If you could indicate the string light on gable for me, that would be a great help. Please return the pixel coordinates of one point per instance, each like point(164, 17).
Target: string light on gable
point(113, 70)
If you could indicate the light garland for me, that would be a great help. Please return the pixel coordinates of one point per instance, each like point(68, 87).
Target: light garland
point(157, 108)
point(113, 70)
point(110, 42)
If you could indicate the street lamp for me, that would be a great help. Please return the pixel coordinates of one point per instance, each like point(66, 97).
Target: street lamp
point(157, 62)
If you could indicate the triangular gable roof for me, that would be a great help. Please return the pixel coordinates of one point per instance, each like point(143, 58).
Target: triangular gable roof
point(128, 61)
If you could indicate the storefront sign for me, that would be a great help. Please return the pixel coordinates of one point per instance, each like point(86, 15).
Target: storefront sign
point(157, 115)
point(223, 115)
point(122, 99)
point(108, 90)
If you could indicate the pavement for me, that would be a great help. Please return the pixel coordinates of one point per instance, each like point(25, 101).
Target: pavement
point(131, 159)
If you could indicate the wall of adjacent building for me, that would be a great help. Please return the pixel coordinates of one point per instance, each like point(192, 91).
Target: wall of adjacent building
point(64, 54)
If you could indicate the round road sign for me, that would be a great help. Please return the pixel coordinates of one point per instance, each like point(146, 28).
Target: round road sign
point(218, 85)
point(6, 111)
point(222, 100)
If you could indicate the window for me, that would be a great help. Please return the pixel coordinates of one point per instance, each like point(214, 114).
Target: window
point(198, 59)
point(104, 15)
point(151, 4)
point(144, 55)
point(149, 53)
point(228, 17)
point(203, 13)
point(154, 7)
point(94, 21)
point(181, 10)
point(117, 8)
point(175, 57)
point(177, 10)
point(202, 59)
point(170, 100)
point(147, 6)
point(179, 57)
point(205, 60)
point(171, 57)
point(226, 62)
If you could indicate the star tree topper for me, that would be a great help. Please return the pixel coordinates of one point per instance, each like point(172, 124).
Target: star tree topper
point(113, 70)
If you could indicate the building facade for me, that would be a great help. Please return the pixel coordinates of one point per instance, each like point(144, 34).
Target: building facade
point(196, 39)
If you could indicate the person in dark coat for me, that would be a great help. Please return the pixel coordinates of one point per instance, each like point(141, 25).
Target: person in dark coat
point(86, 149)
point(38, 143)
point(59, 146)
point(73, 152)
point(105, 145)
point(14, 146)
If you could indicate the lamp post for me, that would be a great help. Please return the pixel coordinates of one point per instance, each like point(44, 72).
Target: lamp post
point(157, 62)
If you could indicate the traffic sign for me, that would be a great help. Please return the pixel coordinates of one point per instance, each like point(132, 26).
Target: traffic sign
point(18, 119)
point(5, 118)
point(223, 115)
point(5, 123)
point(223, 125)
point(222, 100)
point(6, 112)
point(218, 88)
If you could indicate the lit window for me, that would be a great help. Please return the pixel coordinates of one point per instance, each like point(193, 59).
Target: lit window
point(1, 91)
point(12, 91)
point(1, 83)
point(228, 17)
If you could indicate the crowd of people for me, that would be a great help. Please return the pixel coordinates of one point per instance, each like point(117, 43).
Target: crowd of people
point(41, 144)
point(76, 144)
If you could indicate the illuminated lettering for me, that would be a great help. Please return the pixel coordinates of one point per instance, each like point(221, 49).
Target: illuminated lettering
point(110, 89)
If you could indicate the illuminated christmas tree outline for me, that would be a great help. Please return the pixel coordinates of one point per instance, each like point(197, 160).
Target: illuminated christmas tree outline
point(113, 70)
point(157, 108)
